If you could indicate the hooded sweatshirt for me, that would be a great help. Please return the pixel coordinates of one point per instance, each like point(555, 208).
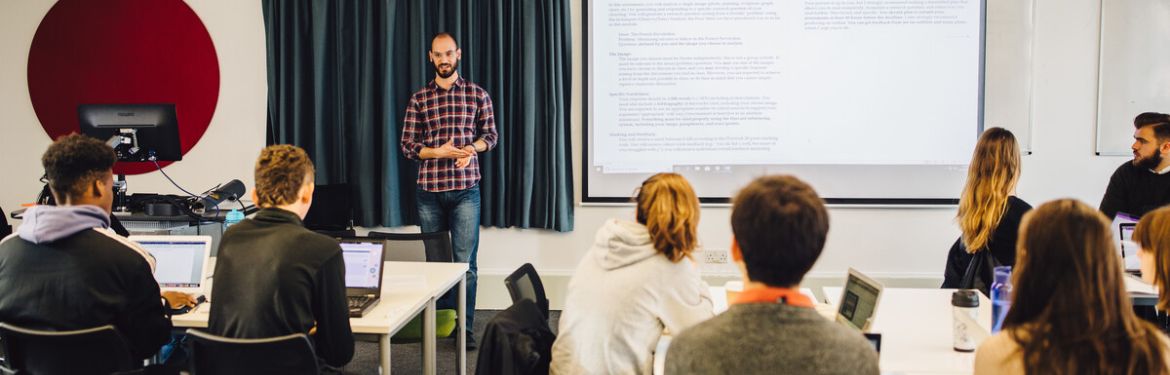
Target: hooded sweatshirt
point(64, 270)
point(44, 224)
point(621, 297)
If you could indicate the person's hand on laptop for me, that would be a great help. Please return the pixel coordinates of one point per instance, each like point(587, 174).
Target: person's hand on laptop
point(178, 300)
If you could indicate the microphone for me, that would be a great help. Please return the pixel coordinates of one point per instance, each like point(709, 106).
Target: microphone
point(230, 191)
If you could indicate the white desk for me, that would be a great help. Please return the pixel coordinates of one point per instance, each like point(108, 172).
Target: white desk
point(408, 288)
point(916, 327)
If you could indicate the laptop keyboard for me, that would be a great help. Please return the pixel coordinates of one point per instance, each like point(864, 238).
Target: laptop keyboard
point(356, 302)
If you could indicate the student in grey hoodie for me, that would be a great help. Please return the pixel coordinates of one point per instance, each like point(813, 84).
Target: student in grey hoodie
point(636, 280)
point(65, 270)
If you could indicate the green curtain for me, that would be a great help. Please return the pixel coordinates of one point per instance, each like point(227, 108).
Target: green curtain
point(340, 74)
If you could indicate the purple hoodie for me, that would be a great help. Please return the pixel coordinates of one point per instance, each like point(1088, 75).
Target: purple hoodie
point(43, 224)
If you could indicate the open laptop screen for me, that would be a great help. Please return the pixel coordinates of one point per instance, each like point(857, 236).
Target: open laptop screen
point(363, 264)
point(1129, 248)
point(859, 301)
point(179, 263)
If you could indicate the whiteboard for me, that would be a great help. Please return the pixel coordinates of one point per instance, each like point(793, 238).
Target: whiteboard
point(1007, 87)
point(1134, 75)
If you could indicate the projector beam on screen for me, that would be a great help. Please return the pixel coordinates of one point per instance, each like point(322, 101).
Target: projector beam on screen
point(872, 102)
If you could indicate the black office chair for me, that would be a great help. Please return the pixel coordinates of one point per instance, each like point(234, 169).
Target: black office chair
point(525, 283)
point(422, 247)
point(289, 354)
point(5, 228)
point(98, 350)
point(436, 246)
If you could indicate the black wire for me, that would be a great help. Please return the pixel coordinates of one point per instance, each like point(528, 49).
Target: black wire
point(164, 173)
point(185, 208)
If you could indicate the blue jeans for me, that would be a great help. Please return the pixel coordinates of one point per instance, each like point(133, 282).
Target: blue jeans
point(457, 211)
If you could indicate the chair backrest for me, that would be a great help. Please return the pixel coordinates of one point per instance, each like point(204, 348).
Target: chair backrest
point(417, 247)
point(210, 354)
point(525, 283)
point(5, 228)
point(98, 350)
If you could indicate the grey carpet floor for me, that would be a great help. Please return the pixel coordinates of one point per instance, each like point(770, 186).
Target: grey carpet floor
point(407, 358)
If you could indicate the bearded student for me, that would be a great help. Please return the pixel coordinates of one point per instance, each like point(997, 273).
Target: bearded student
point(1143, 184)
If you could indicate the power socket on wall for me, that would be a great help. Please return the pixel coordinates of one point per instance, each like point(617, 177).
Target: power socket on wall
point(715, 256)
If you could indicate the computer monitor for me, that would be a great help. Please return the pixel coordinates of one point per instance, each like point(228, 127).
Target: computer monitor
point(137, 132)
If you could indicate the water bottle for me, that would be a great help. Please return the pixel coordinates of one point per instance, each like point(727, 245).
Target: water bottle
point(1001, 297)
point(966, 313)
point(233, 217)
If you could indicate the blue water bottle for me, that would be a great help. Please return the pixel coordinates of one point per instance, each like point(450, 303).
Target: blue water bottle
point(1001, 297)
point(232, 218)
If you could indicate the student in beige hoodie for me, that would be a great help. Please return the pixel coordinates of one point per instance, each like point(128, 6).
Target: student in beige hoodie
point(636, 280)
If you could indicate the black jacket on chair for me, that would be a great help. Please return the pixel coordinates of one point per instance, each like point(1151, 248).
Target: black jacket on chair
point(516, 341)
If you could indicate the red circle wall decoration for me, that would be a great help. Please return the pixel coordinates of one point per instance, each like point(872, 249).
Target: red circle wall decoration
point(121, 52)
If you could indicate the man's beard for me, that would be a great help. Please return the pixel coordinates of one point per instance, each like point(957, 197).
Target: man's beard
point(1150, 162)
point(451, 72)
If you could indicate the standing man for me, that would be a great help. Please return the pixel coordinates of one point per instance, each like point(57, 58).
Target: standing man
point(1141, 185)
point(447, 124)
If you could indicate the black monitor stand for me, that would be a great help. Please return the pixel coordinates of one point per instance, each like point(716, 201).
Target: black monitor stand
point(121, 204)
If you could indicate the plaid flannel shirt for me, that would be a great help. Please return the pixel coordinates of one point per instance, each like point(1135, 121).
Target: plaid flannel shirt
point(434, 115)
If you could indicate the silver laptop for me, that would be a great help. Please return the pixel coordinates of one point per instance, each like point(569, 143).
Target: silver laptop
point(1129, 248)
point(859, 301)
point(180, 261)
point(363, 273)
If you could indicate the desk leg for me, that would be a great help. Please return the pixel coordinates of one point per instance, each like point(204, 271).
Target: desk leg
point(461, 328)
point(429, 338)
point(384, 353)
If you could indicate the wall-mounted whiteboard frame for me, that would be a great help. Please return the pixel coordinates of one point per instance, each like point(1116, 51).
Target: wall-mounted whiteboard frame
point(1134, 69)
point(1008, 75)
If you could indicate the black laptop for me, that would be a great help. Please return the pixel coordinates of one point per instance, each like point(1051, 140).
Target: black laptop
point(363, 273)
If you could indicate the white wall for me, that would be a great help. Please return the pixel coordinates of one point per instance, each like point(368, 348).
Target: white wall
point(890, 243)
point(228, 148)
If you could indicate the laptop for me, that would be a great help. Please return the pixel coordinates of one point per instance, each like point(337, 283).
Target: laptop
point(859, 301)
point(180, 261)
point(331, 210)
point(1129, 248)
point(363, 273)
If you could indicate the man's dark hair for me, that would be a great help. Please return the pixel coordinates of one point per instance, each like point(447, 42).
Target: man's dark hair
point(75, 161)
point(780, 225)
point(1159, 121)
point(1150, 118)
point(442, 34)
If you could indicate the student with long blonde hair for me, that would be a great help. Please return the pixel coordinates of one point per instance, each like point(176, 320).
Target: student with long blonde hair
point(635, 280)
point(989, 213)
point(1070, 313)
